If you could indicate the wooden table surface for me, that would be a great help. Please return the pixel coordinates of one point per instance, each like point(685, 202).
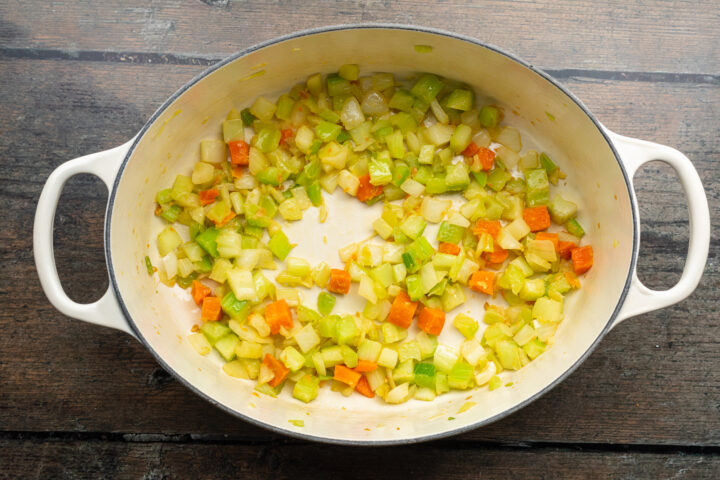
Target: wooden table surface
point(81, 401)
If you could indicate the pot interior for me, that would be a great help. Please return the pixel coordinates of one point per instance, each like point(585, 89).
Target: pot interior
point(547, 118)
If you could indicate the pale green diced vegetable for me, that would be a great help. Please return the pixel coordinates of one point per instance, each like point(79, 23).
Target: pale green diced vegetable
point(334, 155)
point(398, 394)
point(242, 284)
point(369, 350)
point(445, 357)
point(212, 151)
point(292, 359)
point(307, 338)
point(517, 228)
point(425, 394)
point(351, 115)
point(433, 210)
point(220, 269)
point(366, 289)
point(290, 295)
point(547, 311)
point(168, 240)
point(200, 343)
point(427, 344)
point(427, 152)
point(297, 266)
point(484, 376)
point(304, 138)
point(229, 243)
point(246, 349)
point(170, 265)
point(409, 350)
point(258, 161)
point(438, 134)
point(438, 111)
point(233, 130)
point(392, 333)
point(524, 335)
point(382, 228)
point(321, 274)
point(413, 188)
point(472, 352)
point(263, 108)
point(185, 267)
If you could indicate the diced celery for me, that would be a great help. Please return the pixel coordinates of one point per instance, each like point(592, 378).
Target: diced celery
point(460, 376)
point(380, 171)
point(279, 245)
point(534, 348)
point(226, 346)
point(409, 350)
point(427, 344)
point(532, 289)
point(457, 177)
point(263, 108)
point(200, 343)
point(413, 226)
point(450, 233)
point(336, 85)
point(461, 99)
point(445, 357)
point(508, 352)
point(427, 87)
point(466, 325)
point(246, 349)
point(168, 240)
point(424, 375)
point(489, 116)
point(495, 383)
point(461, 138)
point(237, 309)
point(561, 210)
point(392, 333)
point(306, 389)
point(574, 228)
point(404, 371)
point(547, 310)
point(401, 100)
point(212, 151)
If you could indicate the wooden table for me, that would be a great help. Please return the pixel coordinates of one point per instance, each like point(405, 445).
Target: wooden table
point(82, 401)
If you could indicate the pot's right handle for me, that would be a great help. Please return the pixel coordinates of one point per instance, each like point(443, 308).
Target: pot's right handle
point(641, 299)
point(105, 311)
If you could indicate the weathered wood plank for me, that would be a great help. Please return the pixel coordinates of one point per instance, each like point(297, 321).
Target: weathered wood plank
point(676, 36)
point(78, 460)
point(653, 380)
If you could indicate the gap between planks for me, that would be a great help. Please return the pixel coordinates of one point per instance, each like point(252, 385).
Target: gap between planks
point(149, 58)
point(210, 439)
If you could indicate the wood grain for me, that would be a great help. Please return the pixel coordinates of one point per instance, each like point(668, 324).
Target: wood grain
point(111, 459)
point(679, 36)
point(653, 380)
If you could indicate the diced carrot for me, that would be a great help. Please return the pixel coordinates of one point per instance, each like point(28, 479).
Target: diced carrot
point(211, 310)
point(497, 256)
point(402, 310)
point(277, 314)
point(572, 280)
point(367, 191)
point(239, 153)
point(199, 292)
point(553, 237)
point(486, 157)
point(364, 366)
point(565, 248)
point(471, 150)
point(339, 281)
point(447, 247)
point(363, 387)
point(431, 320)
point(280, 370)
point(346, 375)
point(491, 227)
point(208, 196)
point(237, 172)
point(582, 259)
point(227, 218)
point(483, 281)
point(537, 218)
point(285, 133)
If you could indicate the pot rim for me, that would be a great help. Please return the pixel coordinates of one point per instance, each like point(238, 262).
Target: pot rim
point(369, 443)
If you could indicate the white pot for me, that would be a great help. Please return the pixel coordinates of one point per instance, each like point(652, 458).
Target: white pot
point(600, 165)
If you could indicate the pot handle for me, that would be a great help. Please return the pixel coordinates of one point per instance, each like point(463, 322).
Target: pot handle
point(106, 311)
point(641, 299)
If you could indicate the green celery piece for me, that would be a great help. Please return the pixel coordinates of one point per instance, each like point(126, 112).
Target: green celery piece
point(247, 117)
point(149, 265)
point(314, 193)
point(345, 330)
point(480, 178)
point(410, 261)
point(436, 185)
point(425, 375)
point(349, 71)
point(326, 326)
point(404, 121)
point(237, 309)
point(461, 99)
point(534, 348)
point(427, 87)
point(489, 116)
point(271, 176)
point(562, 210)
point(325, 303)
point(329, 115)
point(450, 233)
point(185, 282)
point(574, 228)
point(306, 389)
point(401, 100)
point(214, 331)
point(537, 179)
point(164, 196)
point(204, 265)
point(423, 174)
point(285, 105)
point(401, 172)
point(336, 85)
point(547, 163)
point(421, 249)
point(307, 315)
point(171, 214)
point(495, 383)
point(343, 136)
point(461, 138)
point(379, 170)
point(466, 325)
point(460, 376)
point(208, 241)
point(457, 177)
point(257, 218)
point(279, 245)
point(268, 139)
point(515, 186)
point(327, 132)
point(226, 346)
point(498, 178)
point(414, 287)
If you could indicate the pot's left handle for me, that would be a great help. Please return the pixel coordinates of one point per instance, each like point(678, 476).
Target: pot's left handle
point(106, 311)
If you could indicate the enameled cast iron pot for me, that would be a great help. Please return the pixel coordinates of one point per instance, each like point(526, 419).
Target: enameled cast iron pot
point(600, 165)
